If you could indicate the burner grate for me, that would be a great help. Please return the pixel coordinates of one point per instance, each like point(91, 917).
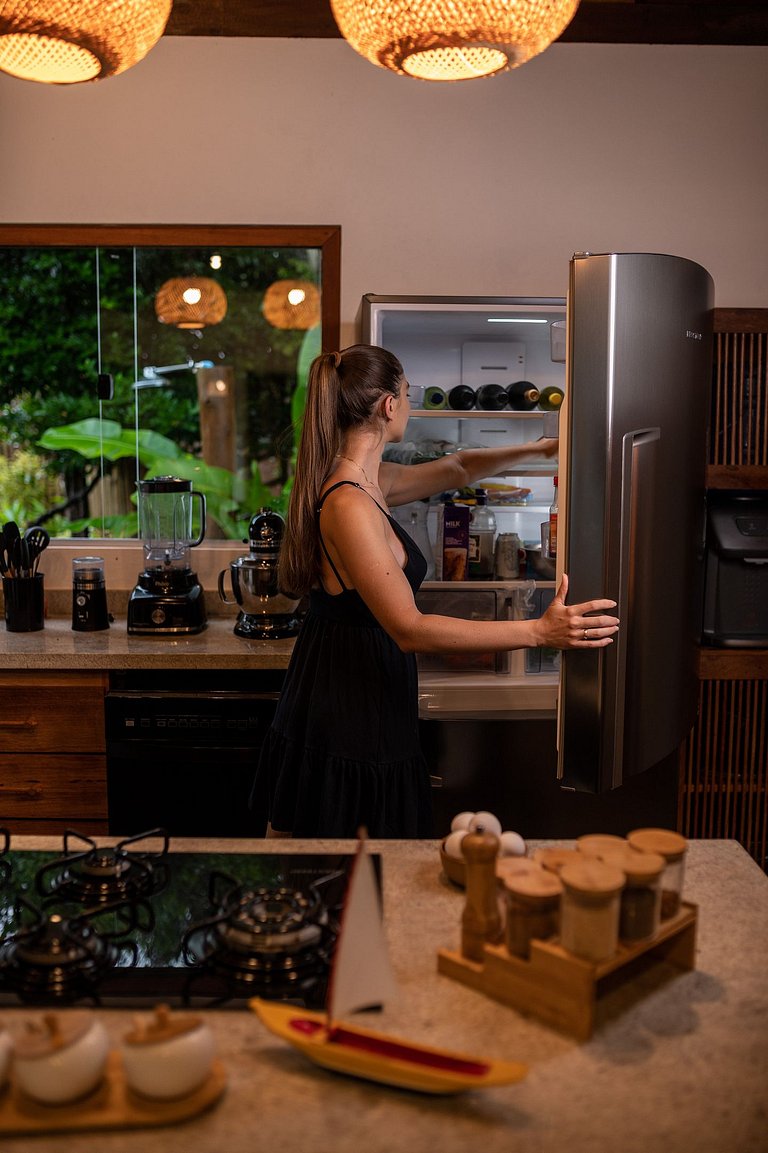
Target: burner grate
point(97, 875)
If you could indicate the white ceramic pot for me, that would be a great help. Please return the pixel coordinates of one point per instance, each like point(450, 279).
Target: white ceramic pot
point(61, 1058)
point(168, 1057)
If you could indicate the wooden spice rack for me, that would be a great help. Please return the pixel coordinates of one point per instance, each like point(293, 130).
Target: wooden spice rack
point(561, 989)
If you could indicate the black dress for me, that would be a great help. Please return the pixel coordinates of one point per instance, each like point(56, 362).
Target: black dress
point(343, 750)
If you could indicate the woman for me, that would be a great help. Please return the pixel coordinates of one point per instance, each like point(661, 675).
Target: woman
point(343, 750)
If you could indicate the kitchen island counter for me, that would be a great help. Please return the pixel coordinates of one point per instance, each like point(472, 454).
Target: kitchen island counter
point(677, 1062)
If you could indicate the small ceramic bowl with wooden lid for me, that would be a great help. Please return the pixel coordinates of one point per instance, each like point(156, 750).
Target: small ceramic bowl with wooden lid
point(167, 1056)
point(62, 1057)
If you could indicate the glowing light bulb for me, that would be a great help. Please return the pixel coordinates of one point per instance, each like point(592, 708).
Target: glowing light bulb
point(296, 296)
point(191, 295)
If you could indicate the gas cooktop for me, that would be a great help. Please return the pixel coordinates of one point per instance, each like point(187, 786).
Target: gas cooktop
point(133, 924)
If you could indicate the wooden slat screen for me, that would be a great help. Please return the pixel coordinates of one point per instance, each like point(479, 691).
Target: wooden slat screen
point(739, 417)
point(724, 782)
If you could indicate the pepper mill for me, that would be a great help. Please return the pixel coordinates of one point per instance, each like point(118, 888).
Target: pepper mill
point(481, 919)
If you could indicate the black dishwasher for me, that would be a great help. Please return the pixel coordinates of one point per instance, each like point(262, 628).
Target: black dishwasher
point(182, 748)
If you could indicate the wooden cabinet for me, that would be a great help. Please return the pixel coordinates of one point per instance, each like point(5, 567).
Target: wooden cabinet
point(53, 752)
point(724, 762)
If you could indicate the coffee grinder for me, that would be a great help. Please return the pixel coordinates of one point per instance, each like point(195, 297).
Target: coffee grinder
point(168, 599)
point(265, 612)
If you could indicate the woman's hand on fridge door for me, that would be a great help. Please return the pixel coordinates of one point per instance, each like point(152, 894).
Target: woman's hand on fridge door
point(582, 626)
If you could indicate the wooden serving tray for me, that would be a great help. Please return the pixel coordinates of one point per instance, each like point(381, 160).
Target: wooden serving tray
point(111, 1106)
point(560, 989)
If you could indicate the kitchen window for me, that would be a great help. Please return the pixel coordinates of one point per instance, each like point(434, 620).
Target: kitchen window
point(128, 351)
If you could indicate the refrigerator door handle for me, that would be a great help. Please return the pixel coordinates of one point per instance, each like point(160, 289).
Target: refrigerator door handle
point(637, 455)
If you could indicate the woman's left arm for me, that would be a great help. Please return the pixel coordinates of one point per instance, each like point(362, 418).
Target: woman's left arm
point(401, 483)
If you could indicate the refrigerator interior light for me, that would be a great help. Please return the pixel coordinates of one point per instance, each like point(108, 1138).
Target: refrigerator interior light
point(516, 320)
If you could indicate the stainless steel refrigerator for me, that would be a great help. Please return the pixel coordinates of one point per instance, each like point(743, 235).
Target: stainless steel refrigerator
point(633, 433)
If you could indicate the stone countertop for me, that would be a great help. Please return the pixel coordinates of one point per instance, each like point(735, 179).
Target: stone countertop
point(677, 1062)
point(57, 646)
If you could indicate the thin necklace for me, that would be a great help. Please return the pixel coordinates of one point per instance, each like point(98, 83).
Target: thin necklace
point(340, 456)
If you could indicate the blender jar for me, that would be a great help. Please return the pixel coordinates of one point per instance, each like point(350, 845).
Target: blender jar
point(165, 521)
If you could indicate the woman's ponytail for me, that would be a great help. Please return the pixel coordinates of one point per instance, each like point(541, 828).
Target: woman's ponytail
point(343, 390)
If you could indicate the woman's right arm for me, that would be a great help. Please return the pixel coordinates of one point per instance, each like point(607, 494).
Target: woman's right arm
point(360, 537)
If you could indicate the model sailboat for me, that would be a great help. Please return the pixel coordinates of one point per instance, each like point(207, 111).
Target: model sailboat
point(361, 976)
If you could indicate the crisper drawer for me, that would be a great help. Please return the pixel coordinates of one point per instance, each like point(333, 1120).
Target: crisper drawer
point(52, 712)
point(470, 602)
point(68, 788)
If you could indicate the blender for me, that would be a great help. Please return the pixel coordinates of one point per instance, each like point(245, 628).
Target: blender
point(168, 599)
point(265, 612)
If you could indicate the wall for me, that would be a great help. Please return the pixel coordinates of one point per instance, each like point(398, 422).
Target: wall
point(485, 187)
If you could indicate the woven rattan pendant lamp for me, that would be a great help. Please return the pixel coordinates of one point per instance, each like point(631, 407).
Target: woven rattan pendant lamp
point(71, 41)
point(451, 39)
point(292, 304)
point(190, 302)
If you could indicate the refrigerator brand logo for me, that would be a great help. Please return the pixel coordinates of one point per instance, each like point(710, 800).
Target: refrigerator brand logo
point(693, 335)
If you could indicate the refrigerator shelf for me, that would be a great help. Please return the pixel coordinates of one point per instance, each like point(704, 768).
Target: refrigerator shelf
point(479, 414)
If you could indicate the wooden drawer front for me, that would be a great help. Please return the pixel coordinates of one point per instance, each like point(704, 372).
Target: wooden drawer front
point(68, 787)
point(51, 719)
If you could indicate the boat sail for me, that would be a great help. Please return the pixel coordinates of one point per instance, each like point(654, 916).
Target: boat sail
point(361, 976)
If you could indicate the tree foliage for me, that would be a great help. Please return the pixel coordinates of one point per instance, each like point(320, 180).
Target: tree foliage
point(66, 314)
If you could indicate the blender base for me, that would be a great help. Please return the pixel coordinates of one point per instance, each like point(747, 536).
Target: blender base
point(157, 611)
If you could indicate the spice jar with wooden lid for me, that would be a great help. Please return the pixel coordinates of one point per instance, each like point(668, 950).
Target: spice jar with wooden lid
point(533, 909)
point(554, 857)
point(593, 844)
point(672, 847)
point(589, 909)
point(640, 906)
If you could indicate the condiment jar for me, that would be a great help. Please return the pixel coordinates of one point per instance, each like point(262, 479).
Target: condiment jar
point(167, 1057)
point(641, 896)
point(61, 1058)
point(533, 909)
point(515, 867)
point(555, 858)
point(506, 565)
point(592, 844)
point(589, 910)
point(671, 846)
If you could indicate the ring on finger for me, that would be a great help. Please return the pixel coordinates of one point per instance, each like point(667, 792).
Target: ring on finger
point(586, 634)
